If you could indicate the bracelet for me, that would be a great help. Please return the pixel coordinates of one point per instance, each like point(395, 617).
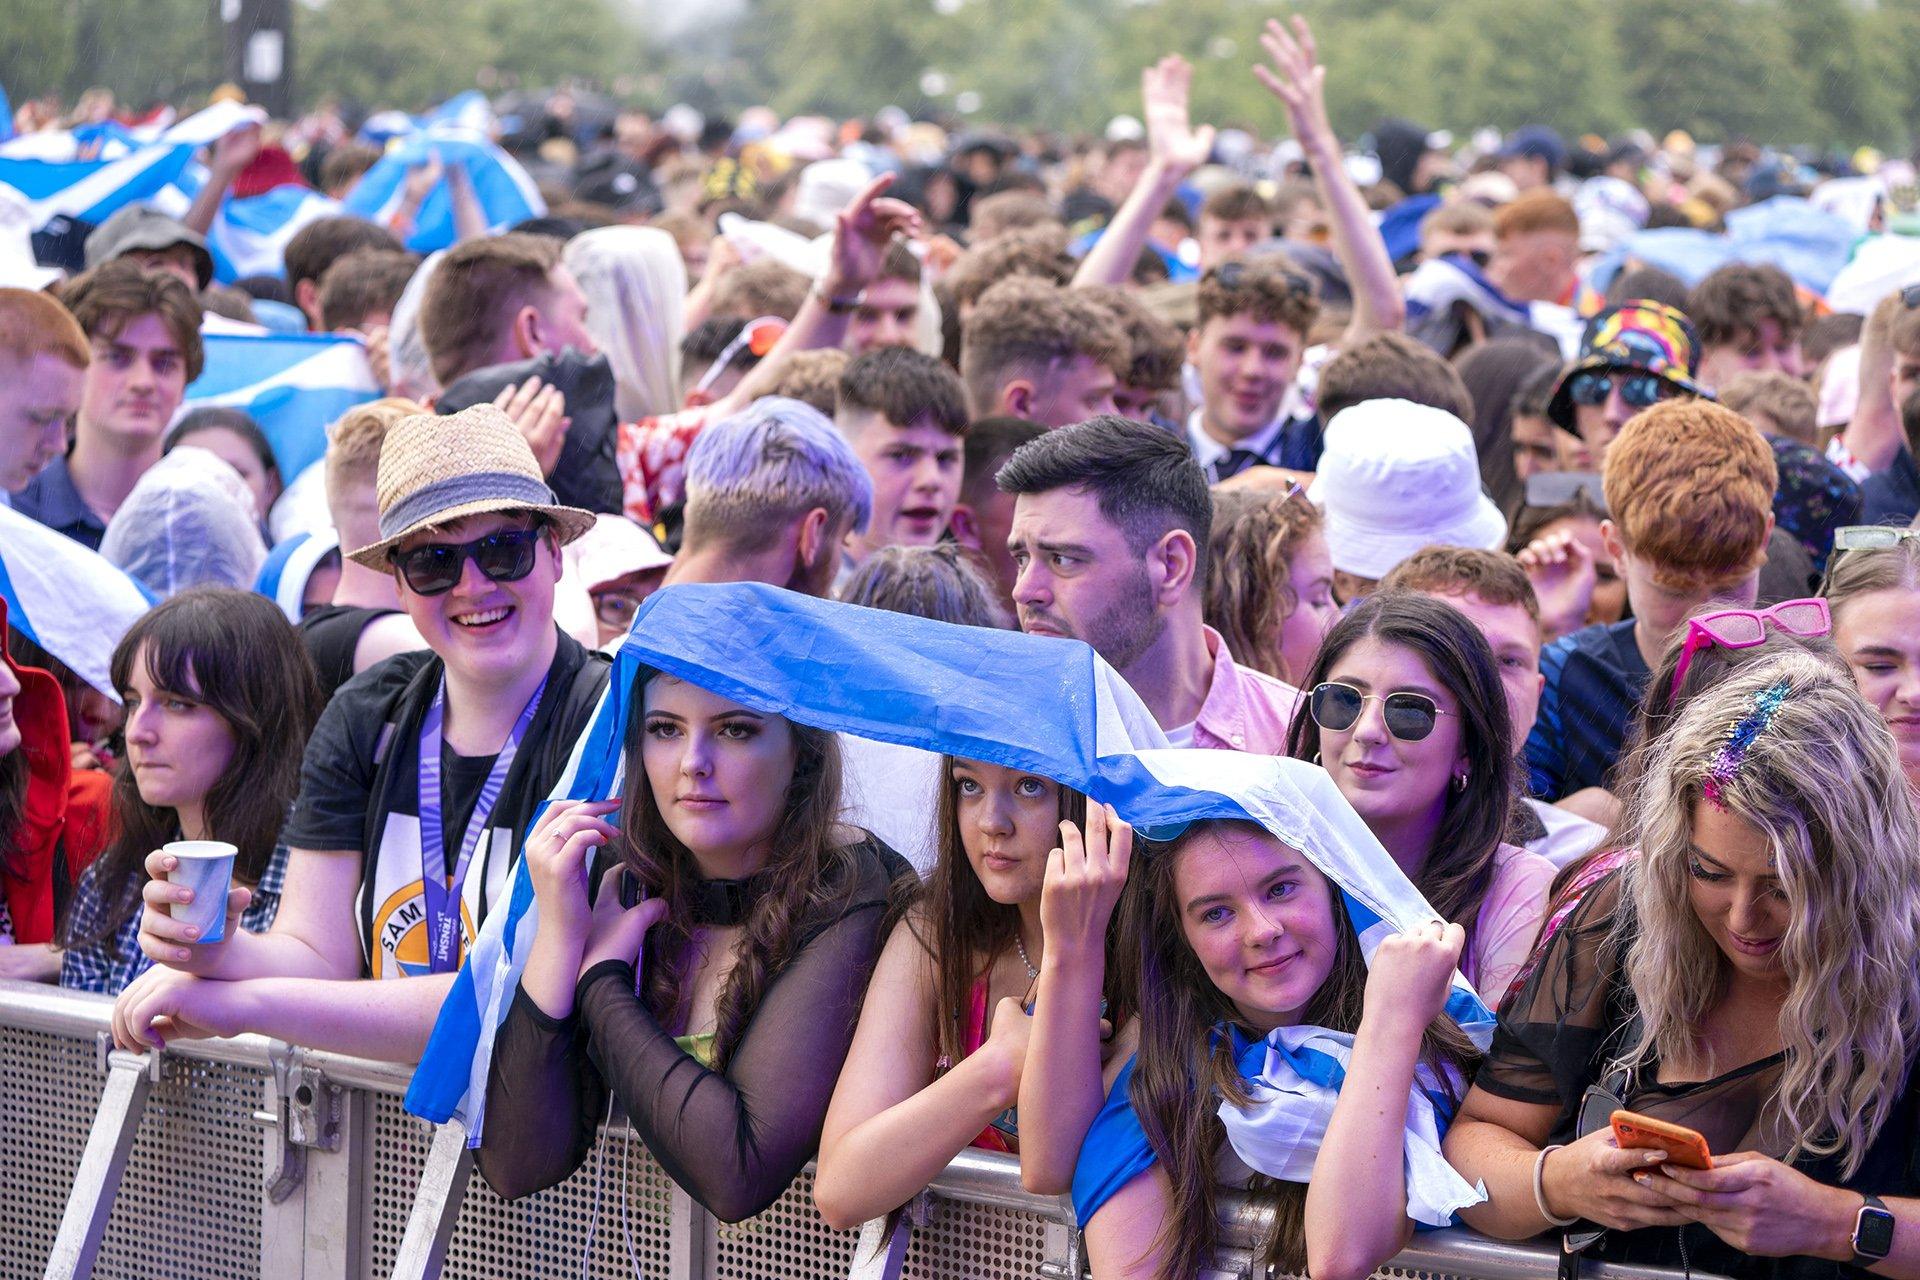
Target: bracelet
point(1540, 1189)
point(838, 306)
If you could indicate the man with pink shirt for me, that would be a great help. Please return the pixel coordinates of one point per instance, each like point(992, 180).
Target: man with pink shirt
point(1109, 540)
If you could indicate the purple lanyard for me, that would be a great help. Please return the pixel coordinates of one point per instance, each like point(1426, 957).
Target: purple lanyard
point(443, 899)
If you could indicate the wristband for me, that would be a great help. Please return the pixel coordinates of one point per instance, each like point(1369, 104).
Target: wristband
point(837, 306)
point(1540, 1189)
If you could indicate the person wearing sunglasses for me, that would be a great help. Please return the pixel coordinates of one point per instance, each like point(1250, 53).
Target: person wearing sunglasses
point(1873, 589)
point(1631, 358)
point(1408, 715)
point(420, 777)
point(1750, 977)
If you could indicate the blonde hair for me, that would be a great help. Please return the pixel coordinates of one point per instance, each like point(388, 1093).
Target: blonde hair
point(354, 440)
point(1822, 782)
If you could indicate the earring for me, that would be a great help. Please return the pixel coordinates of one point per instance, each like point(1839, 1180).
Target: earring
point(1460, 782)
point(1316, 757)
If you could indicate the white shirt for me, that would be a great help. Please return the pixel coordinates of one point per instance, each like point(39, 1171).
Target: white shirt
point(1569, 836)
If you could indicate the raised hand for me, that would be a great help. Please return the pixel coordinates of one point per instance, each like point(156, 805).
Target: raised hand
point(1296, 77)
point(616, 932)
point(540, 411)
point(1563, 574)
point(1412, 973)
point(1083, 882)
point(1171, 137)
point(861, 233)
point(559, 855)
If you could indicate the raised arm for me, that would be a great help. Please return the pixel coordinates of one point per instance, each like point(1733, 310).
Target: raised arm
point(1357, 1198)
point(1874, 436)
point(1299, 80)
point(230, 154)
point(893, 1125)
point(861, 233)
point(1061, 1088)
point(1174, 149)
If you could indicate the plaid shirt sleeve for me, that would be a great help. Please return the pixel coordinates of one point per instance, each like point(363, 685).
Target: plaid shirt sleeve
point(105, 965)
point(108, 965)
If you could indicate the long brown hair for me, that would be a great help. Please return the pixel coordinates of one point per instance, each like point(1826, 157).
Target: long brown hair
point(1186, 1063)
point(1250, 591)
point(809, 877)
point(965, 930)
point(235, 653)
point(1457, 875)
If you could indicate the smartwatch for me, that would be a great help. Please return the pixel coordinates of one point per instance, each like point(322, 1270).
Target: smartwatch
point(1872, 1232)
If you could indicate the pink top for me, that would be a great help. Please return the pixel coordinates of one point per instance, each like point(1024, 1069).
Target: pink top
point(652, 456)
point(1509, 920)
point(1245, 710)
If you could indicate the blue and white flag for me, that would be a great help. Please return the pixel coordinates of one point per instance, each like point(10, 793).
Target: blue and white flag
point(66, 598)
point(249, 234)
point(92, 189)
point(504, 189)
point(294, 385)
point(1044, 705)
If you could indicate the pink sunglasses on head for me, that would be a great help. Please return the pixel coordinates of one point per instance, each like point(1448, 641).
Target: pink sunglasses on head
point(1745, 628)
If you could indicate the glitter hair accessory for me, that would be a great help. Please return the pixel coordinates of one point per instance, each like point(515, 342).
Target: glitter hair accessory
point(1741, 735)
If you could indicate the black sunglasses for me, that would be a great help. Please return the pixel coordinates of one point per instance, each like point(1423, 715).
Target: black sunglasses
point(505, 555)
point(1232, 275)
point(1639, 390)
point(1410, 716)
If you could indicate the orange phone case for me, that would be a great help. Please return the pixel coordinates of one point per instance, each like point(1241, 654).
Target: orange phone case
point(1684, 1147)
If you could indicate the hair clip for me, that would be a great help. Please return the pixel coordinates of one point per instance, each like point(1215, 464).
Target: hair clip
point(1741, 735)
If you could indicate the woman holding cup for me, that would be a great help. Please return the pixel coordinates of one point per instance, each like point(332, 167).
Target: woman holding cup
point(220, 697)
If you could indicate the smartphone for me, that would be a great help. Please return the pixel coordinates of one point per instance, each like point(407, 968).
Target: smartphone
point(1684, 1147)
point(630, 893)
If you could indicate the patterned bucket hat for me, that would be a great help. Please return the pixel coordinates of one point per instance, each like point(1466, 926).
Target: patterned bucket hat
point(1645, 335)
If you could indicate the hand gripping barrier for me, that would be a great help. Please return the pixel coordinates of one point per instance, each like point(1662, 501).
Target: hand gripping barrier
point(245, 1158)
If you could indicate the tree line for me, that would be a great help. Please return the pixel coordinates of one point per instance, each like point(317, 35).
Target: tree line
point(1826, 73)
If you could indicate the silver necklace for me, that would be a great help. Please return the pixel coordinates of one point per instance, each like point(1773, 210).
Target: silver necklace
point(1019, 945)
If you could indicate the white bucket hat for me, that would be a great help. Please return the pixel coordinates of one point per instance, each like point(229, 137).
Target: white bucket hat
point(1395, 477)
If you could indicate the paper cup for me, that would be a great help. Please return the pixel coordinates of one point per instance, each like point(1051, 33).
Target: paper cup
point(206, 867)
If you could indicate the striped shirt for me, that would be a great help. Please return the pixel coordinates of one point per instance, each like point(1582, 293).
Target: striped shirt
point(1593, 679)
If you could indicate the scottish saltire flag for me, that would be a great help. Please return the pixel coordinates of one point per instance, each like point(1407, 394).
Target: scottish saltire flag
point(1045, 705)
point(505, 191)
point(66, 598)
point(250, 233)
point(294, 386)
point(89, 190)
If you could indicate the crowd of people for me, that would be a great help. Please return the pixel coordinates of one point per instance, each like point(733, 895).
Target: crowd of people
point(1584, 612)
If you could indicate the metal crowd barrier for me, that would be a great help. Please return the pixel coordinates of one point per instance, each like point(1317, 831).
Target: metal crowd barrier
point(245, 1158)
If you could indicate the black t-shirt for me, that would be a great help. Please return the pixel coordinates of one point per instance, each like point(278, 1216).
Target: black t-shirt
point(331, 633)
point(359, 792)
point(1559, 1034)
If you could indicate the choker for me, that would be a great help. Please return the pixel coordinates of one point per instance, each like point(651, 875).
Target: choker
point(725, 902)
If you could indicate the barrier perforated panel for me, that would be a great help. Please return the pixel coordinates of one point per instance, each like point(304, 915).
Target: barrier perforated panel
point(977, 1242)
point(197, 1161)
point(541, 1235)
point(789, 1241)
point(48, 1091)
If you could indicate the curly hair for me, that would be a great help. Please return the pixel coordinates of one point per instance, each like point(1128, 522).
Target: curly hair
point(1272, 289)
point(1690, 487)
point(1822, 783)
point(1249, 578)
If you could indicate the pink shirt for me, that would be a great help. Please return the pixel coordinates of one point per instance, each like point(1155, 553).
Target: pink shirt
point(1245, 710)
point(1509, 921)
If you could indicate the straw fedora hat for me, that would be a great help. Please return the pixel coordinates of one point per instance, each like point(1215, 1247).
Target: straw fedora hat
point(437, 469)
